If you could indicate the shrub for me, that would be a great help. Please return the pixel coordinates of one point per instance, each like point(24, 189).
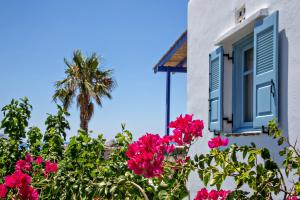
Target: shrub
point(55, 135)
point(14, 123)
point(153, 167)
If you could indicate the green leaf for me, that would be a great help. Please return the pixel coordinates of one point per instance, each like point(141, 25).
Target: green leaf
point(297, 187)
point(281, 140)
point(265, 154)
point(233, 155)
point(206, 178)
point(282, 152)
point(101, 184)
point(196, 158)
point(217, 180)
point(200, 173)
point(245, 152)
point(251, 159)
point(213, 181)
point(163, 184)
point(208, 160)
point(253, 144)
point(201, 164)
point(239, 183)
point(162, 194)
point(270, 165)
point(113, 189)
point(277, 134)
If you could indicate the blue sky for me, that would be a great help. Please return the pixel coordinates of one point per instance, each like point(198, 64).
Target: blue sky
point(130, 35)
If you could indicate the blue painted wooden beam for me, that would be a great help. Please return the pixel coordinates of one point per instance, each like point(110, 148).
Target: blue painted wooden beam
point(168, 91)
point(170, 69)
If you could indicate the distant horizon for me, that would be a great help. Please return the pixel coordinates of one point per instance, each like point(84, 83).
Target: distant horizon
point(130, 37)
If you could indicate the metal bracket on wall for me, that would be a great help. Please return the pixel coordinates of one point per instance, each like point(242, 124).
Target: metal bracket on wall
point(264, 129)
point(216, 133)
point(227, 120)
point(228, 56)
point(272, 87)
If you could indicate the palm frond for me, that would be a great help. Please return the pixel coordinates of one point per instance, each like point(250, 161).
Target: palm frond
point(67, 63)
point(65, 96)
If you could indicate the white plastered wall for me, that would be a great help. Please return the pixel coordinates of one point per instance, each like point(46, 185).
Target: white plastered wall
point(207, 21)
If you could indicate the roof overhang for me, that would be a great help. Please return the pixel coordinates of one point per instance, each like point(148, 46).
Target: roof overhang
point(242, 29)
point(174, 60)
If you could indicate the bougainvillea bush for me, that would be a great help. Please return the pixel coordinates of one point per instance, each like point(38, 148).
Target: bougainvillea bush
point(18, 185)
point(255, 168)
point(36, 165)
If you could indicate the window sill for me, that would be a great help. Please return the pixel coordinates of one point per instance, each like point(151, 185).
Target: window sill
point(244, 133)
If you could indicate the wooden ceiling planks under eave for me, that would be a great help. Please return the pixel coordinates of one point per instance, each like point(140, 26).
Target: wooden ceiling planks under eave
point(176, 55)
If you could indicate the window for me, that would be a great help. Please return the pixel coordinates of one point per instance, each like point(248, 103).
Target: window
point(248, 83)
point(255, 79)
point(243, 81)
point(255, 93)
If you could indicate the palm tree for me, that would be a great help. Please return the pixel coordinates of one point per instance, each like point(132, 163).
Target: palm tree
point(87, 83)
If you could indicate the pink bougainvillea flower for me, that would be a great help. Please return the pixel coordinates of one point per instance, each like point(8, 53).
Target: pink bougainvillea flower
point(10, 181)
point(17, 179)
point(166, 139)
point(146, 155)
point(28, 193)
point(24, 180)
point(39, 160)
point(23, 165)
point(34, 195)
point(3, 191)
point(51, 167)
point(186, 129)
point(217, 142)
point(223, 194)
point(170, 149)
point(213, 194)
point(28, 158)
point(20, 181)
point(292, 198)
point(203, 194)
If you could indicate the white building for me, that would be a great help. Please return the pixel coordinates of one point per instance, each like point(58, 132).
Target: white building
point(243, 66)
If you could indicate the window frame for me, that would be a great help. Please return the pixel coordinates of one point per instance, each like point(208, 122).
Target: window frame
point(239, 49)
point(242, 88)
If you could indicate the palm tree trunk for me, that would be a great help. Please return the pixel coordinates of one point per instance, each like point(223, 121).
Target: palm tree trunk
point(84, 124)
point(84, 121)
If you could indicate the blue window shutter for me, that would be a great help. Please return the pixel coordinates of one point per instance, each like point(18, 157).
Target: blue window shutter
point(216, 65)
point(265, 74)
